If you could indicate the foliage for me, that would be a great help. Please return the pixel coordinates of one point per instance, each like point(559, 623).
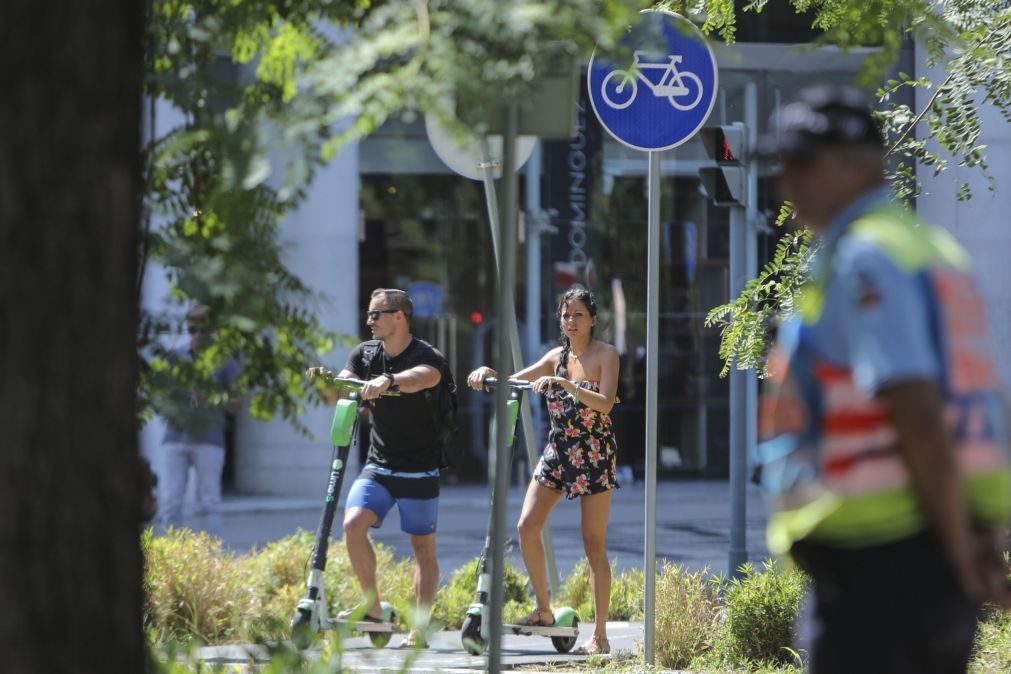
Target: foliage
point(230, 71)
point(687, 608)
point(976, 56)
point(972, 39)
point(626, 593)
point(992, 651)
point(269, 91)
point(418, 56)
point(196, 590)
point(760, 613)
point(754, 312)
point(192, 588)
point(457, 594)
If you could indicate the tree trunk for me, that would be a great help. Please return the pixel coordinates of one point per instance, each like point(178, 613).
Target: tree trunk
point(70, 563)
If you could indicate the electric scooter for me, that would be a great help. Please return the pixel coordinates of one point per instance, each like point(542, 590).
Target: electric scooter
point(312, 615)
point(474, 634)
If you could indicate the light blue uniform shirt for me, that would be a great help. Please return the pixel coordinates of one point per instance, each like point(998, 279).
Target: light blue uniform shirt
point(875, 320)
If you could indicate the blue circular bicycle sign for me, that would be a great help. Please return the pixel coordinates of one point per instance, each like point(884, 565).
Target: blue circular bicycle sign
point(656, 90)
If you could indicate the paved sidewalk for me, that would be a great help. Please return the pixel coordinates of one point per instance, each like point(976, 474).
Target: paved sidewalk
point(445, 654)
point(692, 524)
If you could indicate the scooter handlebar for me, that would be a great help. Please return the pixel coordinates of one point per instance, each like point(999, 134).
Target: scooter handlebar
point(347, 383)
point(518, 384)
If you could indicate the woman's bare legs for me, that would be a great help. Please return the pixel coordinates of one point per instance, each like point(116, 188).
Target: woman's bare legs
point(595, 511)
point(537, 505)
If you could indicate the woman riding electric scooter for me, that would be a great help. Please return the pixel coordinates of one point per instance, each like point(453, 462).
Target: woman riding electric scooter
point(579, 380)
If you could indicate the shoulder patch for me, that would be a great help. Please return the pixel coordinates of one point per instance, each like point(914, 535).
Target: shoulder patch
point(868, 293)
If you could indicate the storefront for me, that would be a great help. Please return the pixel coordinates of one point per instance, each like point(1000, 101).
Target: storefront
point(425, 229)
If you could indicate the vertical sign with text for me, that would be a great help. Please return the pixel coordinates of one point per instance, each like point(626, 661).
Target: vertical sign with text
point(571, 181)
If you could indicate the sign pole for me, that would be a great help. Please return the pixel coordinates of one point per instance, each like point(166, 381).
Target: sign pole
point(507, 321)
point(738, 553)
point(504, 305)
point(652, 406)
point(654, 114)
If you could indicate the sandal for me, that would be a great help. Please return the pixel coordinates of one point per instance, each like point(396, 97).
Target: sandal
point(350, 613)
point(593, 647)
point(535, 619)
point(414, 639)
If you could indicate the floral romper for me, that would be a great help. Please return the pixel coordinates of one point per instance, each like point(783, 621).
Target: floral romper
point(581, 452)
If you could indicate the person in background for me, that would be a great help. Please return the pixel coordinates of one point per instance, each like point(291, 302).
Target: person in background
point(195, 433)
point(887, 434)
point(579, 380)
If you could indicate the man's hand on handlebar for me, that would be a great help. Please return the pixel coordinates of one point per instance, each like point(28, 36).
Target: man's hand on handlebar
point(375, 387)
point(318, 371)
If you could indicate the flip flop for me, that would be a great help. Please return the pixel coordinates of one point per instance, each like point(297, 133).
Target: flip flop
point(414, 639)
point(352, 612)
point(534, 619)
point(593, 647)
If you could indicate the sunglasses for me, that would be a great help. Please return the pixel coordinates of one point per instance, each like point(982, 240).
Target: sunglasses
point(194, 330)
point(373, 314)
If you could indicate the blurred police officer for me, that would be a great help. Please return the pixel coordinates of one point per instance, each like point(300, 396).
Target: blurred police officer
point(888, 446)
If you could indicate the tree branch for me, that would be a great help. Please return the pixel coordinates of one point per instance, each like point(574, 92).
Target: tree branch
point(937, 92)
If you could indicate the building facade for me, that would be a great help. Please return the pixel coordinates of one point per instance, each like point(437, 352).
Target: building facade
point(388, 213)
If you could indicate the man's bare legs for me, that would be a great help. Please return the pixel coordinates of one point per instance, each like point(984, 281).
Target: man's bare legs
point(363, 557)
point(426, 574)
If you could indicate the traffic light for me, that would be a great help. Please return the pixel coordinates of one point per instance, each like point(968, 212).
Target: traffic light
point(725, 183)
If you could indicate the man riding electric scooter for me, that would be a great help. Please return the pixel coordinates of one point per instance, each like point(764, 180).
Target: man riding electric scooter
point(405, 452)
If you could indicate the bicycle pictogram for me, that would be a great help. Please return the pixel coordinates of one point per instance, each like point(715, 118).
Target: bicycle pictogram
point(620, 87)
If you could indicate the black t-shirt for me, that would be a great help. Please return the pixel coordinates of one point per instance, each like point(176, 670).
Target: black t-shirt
point(404, 437)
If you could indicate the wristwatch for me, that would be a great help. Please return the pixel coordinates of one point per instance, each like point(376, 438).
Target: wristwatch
point(393, 388)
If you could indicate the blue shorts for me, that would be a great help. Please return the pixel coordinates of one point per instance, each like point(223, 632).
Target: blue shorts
point(415, 494)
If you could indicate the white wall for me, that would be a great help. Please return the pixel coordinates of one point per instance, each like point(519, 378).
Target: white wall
point(982, 224)
point(322, 249)
point(155, 297)
point(322, 240)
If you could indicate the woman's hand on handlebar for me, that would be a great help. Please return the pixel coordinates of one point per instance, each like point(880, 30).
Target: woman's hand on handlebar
point(475, 379)
point(543, 384)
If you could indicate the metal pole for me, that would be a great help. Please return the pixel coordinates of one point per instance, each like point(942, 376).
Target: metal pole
point(507, 281)
point(535, 227)
point(533, 197)
point(652, 354)
point(751, 263)
point(738, 553)
point(507, 322)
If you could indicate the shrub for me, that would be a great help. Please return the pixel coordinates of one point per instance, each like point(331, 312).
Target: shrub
point(626, 593)
point(197, 590)
point(193, 588)
point(686, 612)
point(761, 610)
point(456, 596)
point(278, 574)
point(992, 650)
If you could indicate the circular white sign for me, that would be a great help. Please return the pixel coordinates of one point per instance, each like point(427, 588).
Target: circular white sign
point(465, 159)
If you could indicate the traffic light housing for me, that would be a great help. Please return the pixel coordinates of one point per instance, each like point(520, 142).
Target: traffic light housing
point(726, 145)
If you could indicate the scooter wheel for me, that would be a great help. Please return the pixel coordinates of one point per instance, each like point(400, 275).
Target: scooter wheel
point(470, 635)
point(565, 644)
point(301, 630)
point(380, 639)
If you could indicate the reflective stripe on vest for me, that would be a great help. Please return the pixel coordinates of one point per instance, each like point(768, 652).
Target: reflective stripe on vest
point(863, 496)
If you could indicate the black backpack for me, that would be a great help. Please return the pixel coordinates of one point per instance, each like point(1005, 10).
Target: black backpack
point(441, 401)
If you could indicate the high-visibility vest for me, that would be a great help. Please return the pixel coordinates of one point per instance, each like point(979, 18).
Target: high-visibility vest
point(843, 480)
